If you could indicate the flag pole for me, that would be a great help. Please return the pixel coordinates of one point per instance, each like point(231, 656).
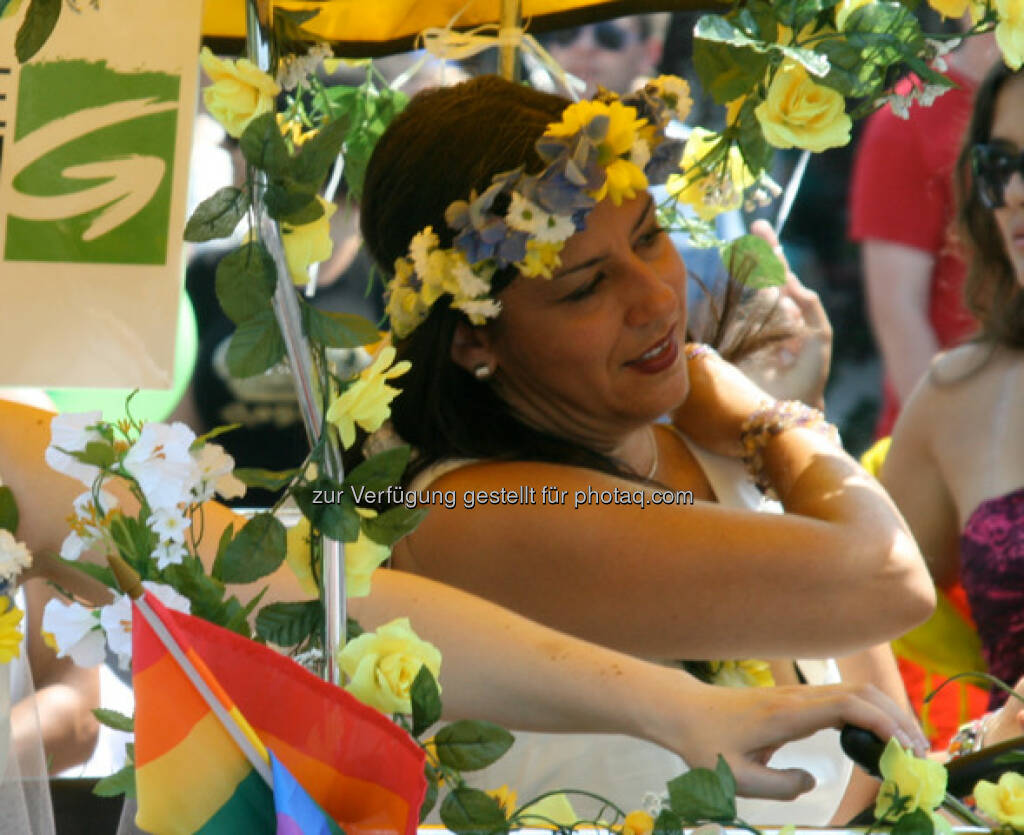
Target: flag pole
point(244, 737)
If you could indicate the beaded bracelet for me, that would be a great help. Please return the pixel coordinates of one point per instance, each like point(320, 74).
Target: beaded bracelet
point(773, 419)
point(969, 737)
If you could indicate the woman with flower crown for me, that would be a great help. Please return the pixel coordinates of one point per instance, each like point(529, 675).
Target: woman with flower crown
point(543, 311)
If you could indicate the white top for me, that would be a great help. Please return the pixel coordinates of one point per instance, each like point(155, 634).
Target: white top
point(624, 769)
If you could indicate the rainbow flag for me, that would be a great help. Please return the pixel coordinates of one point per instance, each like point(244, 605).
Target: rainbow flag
point(191, 776)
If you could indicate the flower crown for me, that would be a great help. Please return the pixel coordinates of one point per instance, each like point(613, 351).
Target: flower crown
point(605, 148)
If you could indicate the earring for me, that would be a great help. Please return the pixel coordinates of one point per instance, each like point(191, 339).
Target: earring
point(482, 371)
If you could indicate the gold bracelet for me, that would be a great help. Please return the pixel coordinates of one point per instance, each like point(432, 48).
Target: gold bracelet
point(773, 419)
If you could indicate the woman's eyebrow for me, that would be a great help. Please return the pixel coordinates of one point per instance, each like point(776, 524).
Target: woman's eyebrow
point(590, 262)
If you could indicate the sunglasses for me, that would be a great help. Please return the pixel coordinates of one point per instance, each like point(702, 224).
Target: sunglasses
point(606, 35)
point(993, 166)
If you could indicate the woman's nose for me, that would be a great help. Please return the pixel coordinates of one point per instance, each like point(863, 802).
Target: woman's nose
point(650, 296)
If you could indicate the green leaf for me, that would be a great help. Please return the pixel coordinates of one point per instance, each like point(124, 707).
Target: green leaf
point(118, 783)
point(667, 823)
point(751, 262)
point(39, 23)
point(796, 14)
point(288, 624)
point(217, 216)
point(319, 153)
point(115, 720)
point(265, 479)
point(431, 796)
point(256, 551)
point(97, 572)
point(8, 510)
point(352, 629)
point(97, 453)
point(426, 701)
point(814, 62)
point(393, 524)
point(757, 153)
point(335, 517)
point(378, 472)
point(918, 822)
point(216, 432)
point(699, 795)
point(222, 547)
point(469, 811)
point(255, 346)
point(358, 150)
point(468, 745)
point(245, 282)
point(338, 330)
point(263, 146)
point(206, 594)
point(728, 72)
point(725, 775)
point(1010, 758)
point(285, 201)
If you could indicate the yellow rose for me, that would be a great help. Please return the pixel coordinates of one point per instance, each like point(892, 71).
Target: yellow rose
point(299, 555)
point(362, 558)
point(309, 243)
point(1003, 801)
point(797, 113)
point(367, 401)
point(240, 92)
point(921, 781)
point(1010, 31)
point(637, 822)
point(709, 192)
point(382, 665)
point(10, 634)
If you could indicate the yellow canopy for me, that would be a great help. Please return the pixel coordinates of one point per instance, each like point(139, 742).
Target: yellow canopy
point(367, 28)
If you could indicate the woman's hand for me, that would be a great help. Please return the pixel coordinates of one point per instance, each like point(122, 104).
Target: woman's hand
point(1008, 721)
point(720, 399)
point(796, 368)
point(747, 725)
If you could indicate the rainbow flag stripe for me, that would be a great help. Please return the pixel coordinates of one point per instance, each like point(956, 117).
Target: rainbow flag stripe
point(363, 770)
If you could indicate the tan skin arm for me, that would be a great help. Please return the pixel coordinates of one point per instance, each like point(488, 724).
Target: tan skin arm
point(913, 477)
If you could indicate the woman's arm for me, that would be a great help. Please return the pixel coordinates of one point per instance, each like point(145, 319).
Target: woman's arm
point(500, 666)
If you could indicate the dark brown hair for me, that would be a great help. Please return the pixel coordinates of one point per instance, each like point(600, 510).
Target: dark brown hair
point(991, 291)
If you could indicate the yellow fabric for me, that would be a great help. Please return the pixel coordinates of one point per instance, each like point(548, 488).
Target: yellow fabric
point(945, 644)
point(388, 20)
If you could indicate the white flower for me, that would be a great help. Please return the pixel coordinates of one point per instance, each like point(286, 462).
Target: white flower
point(116, 619)
point(420, 247)
point(69, 432)
point(470, 284)
point(85, 530)
point(640, 153)
point(74, 632)
point(216, 474)
point(74, 545)
point(930, 93)
point(14, 556)
point(479, 311)
point(169, 553)
point(169, 523)
point(161, 462)
point(532, 219)
point(293, 69)
point(85, 507)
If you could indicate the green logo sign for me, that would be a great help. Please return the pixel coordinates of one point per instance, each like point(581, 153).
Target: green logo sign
point(94, 151)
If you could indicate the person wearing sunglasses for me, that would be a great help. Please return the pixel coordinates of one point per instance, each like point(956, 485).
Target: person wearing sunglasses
point(611, 54)
point(956, 466)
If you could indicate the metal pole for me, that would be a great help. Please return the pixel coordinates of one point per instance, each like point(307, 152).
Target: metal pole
point(511, 18)
point(307, 381)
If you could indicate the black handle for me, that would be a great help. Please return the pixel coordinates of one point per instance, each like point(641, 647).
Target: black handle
point(967, 770)
point(863, 747)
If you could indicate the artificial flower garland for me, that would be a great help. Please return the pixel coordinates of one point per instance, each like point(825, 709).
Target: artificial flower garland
point(14, 558)
point(607, 148)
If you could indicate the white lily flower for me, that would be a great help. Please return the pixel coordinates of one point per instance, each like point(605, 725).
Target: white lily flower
point(161, 462)
point(168, 553)
point(14, 556)
point(74, 632)
point(216, 473)
point(69, 432)
point(116, 618)
point(169, 523)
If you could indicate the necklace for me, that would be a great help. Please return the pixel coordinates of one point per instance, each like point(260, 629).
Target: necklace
point(654, 453)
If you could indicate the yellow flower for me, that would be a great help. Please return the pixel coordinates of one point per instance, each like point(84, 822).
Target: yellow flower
point(746, 673)
point(1003, 801)
point(382, 665)
point(309, 243)
point(11, 9)
point(406, 308)
point(506, 797)
point(950, 8)
point(10, 634)
point(240, 92)
point(555, 809)
point(362, 558)
point(847, 8)
point(797, 113)
point(1010, 31)
point(541, 259)
point(299, 555)
point(709, 192)
point(637, 822)
point(366, 402)
point(922, 782)
point(675, 92)
point(623, 179)
point(293, 130)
